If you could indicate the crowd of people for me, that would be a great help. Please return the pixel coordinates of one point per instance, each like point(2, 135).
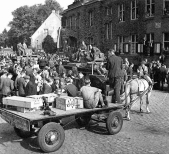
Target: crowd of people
point(27, 76)
point(156, 70)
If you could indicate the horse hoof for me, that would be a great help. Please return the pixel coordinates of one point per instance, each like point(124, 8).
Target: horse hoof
point(141, 111)
point(128, 119)
point(148, 112)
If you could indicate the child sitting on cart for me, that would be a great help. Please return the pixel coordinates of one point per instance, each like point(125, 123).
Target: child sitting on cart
point(92, 96)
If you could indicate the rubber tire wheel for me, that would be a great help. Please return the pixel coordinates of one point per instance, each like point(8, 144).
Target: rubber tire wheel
point(109, 121)
point(83, 120)
point(21, 133)
point(46, 129)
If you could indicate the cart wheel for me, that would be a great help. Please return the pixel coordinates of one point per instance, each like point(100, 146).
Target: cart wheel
point(114, 122)
point(51, 137)
point(83, 120)
point(21, 133)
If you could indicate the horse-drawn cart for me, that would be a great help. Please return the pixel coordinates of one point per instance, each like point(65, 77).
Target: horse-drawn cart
point(49, 129)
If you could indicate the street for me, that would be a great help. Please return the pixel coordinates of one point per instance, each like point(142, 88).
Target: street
point(144, 134)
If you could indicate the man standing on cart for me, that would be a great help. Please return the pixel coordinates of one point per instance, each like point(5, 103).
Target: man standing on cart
point(114, 67)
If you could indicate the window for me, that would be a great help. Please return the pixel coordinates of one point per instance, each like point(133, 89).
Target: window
point(166, 41)
point(107, 31)
point(134, 41)
point(150, 39)
point(75, 22)
point(111, 30)
point(120, 43)
point(111, 10)
point(66, 22)
point(71, 22)
point(91, 18)
point(46, 32)
point(166, 7)
point(78, 20)
point(150, 8)
point(134, 10)
point(121, 12)
point(107, 11)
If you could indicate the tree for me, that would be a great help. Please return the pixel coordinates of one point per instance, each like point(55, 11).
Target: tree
point(25, 23)
point(46, 9)
point(4, 38)
point(49, 45)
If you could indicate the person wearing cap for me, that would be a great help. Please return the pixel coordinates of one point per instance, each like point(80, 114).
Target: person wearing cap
point(114, 67)
point(70, 88)
point(30, 89)
point(143, 72)
point(91, 95)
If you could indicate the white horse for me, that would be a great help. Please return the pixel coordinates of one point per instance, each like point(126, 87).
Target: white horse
point(135, 89)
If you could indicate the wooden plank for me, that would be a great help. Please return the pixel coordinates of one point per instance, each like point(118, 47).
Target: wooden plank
point(38, 115)
point(16, 120)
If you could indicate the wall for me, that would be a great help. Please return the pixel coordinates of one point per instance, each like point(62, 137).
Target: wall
point(53, 24)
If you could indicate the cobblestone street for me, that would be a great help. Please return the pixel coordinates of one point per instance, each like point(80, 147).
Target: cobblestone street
point(144, 134)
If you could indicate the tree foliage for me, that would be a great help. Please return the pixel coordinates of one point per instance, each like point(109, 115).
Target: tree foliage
point(4, 38)
point(26, 20)
point(49, 45)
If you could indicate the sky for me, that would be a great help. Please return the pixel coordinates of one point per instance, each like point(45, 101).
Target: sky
point(8, 6)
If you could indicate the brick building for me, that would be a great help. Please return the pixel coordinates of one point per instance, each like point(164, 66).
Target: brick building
point(129, 26)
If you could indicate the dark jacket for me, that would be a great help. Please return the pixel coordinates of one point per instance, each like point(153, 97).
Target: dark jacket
point(163, 73)
point(30, 89)
point(6, 85)
point(71, 90)
point(46, 89)
point(114, 66)
point(54, 87)
point(21, 86)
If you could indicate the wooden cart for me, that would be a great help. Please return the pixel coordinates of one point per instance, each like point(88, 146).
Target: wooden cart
point(49, 129)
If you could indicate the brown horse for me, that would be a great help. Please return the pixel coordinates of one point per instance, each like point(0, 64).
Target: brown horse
point(135, 89)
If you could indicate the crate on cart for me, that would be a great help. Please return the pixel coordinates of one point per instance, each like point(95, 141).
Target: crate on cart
point(22, 104)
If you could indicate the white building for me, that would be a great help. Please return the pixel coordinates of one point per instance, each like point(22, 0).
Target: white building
point(51, 26)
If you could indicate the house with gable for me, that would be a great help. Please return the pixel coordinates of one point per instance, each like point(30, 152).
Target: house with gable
point(51, 26)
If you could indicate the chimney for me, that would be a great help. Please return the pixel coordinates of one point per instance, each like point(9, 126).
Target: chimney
point(53, 11)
